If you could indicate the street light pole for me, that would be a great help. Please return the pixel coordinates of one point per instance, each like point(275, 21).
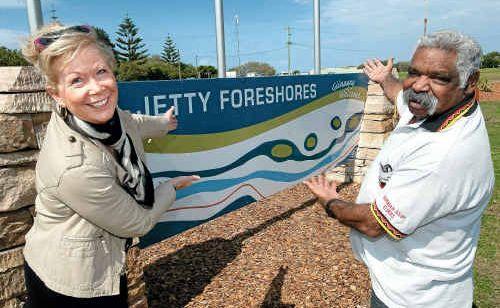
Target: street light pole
point(35, 18)
point(219, 25)
point(317, 49)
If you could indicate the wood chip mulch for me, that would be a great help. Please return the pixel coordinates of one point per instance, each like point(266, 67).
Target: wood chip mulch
point(283, 251)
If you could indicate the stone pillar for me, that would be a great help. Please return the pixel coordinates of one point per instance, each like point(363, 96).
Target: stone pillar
point(25, 110)
point(378, 121)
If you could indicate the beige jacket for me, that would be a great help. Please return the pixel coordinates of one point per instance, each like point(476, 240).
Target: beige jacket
point(83, 216)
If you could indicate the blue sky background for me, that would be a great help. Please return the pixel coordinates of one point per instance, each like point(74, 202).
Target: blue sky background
point(351, 30)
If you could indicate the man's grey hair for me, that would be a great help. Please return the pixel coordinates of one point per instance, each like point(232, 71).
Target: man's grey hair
point(468, 51)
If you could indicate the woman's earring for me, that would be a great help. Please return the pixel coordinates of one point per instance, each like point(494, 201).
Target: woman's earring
point(62, 111)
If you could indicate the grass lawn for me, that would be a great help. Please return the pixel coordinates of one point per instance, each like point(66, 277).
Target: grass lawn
point(492, 74)
point(486, 278)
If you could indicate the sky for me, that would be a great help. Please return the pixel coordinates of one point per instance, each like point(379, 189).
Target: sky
point(351, 30)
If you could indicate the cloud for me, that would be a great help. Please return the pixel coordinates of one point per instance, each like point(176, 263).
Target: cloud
point(11, 38)
point(403, 15)
point(19, 4)
point(302, 1)
point(12, 4)
point(369, 14)
point(205, 61)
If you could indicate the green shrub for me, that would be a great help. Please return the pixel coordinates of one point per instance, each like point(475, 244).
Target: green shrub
point(484, 85)
point(128, 71)
point(11, 57)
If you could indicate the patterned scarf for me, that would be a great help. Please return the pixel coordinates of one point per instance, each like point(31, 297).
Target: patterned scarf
point(137, 181)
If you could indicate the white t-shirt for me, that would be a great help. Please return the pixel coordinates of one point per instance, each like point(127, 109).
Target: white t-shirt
point(428, 188)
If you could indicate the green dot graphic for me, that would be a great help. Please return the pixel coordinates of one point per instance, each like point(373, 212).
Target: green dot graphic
point(311, 142)
point(336, 123)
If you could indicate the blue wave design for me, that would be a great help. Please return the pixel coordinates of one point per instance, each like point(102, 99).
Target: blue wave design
point(169, 228)
point(265, 149)
point(278, 176)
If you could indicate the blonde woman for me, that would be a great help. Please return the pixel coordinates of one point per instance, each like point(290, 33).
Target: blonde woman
point(94, 190)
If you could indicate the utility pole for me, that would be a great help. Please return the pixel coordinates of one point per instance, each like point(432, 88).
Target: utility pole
point(179, 64)
point(219, 25)
point(35, 18)
point(237, 23)
point(53, 14)
point(196, 66)
point(289, 44)
point(425, 17)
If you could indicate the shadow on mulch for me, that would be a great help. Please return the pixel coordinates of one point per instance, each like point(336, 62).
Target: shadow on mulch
point(174, 280)
point(273, 296)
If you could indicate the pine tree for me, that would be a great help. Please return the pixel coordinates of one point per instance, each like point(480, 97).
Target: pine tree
point(128, 44)
point(170, 54)
point(104, 37)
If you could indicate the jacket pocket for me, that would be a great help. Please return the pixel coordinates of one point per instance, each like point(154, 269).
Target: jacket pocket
point(80, 246)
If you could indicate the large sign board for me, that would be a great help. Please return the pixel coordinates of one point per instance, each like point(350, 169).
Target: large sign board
point(246, 137)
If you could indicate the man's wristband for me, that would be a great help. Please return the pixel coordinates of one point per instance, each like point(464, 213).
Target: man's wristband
point(328, 209)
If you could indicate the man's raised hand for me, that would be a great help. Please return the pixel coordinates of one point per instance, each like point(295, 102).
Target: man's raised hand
point(377, 71)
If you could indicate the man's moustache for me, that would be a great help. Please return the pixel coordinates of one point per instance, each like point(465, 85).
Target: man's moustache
point(425, 99)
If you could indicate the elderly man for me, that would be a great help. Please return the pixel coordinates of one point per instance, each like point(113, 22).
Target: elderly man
point(416, 220)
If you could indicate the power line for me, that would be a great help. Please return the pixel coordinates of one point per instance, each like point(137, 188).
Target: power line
point(244, 54)
point(330, 48)
point(258, 52)
point(325, 31)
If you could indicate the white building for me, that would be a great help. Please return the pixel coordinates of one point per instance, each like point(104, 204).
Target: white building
point(338, 70)
point(231, 74)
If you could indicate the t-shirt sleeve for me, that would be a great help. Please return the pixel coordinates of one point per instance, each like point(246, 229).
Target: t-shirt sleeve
point(413, 197)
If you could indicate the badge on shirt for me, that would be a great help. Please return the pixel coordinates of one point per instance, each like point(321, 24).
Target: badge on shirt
point(384, 175)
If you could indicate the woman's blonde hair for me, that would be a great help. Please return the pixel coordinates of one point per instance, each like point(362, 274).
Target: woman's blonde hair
point(65, 46)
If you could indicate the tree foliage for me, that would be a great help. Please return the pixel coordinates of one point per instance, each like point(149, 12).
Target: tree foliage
point(104, 37)
point(153, 68)
point(490, 60)
point(11, 57)
point(170, 53)
point(207, 71)
point(131, 70)
point(402, 66)
point(129, 46)
point(260, 68)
